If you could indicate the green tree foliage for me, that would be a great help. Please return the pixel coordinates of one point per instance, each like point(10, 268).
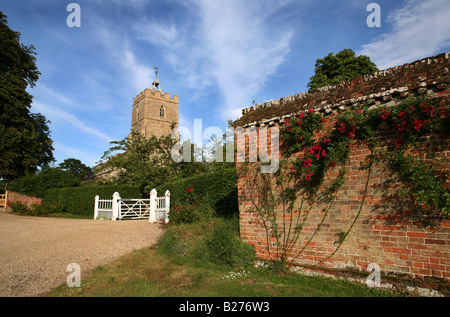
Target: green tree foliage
point(345, 65)
point(147, 162)
point(218, 158)
point(25, 142)
point(79, 201)
point(47, 178)
point(76, 168)
point(218, 190)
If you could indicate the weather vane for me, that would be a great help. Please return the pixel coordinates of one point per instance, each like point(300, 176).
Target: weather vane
point(156, 71)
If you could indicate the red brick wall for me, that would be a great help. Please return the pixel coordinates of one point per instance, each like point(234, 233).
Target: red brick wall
point(24, 199)
point(396, 246)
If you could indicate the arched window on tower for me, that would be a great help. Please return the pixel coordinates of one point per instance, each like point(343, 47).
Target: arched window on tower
point(161, 112)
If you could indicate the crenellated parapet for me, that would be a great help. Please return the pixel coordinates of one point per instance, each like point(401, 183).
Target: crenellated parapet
point(156, 94)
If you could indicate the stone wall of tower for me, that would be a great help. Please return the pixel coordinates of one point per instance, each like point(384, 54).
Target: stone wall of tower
point(146, 114)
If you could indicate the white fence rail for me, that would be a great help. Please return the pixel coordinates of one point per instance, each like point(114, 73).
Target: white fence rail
point(155, 209)
point(103, 208)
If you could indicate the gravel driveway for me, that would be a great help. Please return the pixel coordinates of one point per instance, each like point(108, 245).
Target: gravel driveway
point(35, 251)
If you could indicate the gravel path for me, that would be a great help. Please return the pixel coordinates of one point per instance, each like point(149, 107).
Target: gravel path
point(35, 251)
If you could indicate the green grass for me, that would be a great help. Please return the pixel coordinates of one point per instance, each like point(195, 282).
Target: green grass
point(148, 273)
point(155, 272)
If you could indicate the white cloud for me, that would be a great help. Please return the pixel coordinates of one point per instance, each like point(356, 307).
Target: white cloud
point(54, 115)
point(419, 29)
point(231, 46)
point(117, 49)
point(47, 95)
point(164, 35)
point(44, 91)
point(244, 48)
point(139, 75)
point(87, 158)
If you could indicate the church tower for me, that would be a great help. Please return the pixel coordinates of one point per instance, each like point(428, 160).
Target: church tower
point(154, 111)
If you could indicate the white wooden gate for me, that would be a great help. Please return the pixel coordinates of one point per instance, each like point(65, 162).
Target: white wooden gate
point(134, 209)
point(161, 212)
point(103, 208)
point(156, 209)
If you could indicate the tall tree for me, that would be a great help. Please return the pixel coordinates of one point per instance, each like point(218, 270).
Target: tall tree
point(345, 65)
point(148, 162)
point(46, 178)
point(25, 142)
point(76, 168)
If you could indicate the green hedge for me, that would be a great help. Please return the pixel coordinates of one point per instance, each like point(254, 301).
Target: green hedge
point(79, 201)
point(47, 178)
point(218, 190)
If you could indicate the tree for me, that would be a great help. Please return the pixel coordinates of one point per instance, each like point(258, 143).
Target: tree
point(221, 158)
point(47, 178)
point(25, 142)
point(76, 168)
point(144, 162)
point(345, 65)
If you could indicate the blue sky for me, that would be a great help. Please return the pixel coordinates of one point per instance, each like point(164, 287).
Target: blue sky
point(217, 55)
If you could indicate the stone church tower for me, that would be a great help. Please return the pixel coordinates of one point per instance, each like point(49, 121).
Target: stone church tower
point(154, 111)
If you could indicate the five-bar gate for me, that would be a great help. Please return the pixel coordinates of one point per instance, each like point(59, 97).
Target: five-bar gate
point(156, 209)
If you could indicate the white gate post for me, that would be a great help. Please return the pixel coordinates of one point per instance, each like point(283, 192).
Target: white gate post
point(153, 196)
point(96, 207)
point(166, 213)
point(115, 206)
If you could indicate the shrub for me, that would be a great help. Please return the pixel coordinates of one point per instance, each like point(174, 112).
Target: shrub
point(189, 213)
point(215, 241)
point(43, 208)
point(182, 240)
point(223, 245)
point(193, 209)
point(47, 178)
point(219, 191)
point(18, 207)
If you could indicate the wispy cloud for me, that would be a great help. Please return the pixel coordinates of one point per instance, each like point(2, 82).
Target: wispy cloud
point(165, 35)
point(59, 115)
point(244, 48)
point(45, 91)
point(230, 46)
point(419, 29)
point(118, 50)
point(69, 151)
point(139, 75)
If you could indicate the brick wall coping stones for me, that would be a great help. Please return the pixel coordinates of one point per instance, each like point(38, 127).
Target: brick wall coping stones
point(424, 76)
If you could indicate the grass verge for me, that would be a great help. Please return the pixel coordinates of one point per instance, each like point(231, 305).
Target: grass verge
point(148, 273)
point(182, 267)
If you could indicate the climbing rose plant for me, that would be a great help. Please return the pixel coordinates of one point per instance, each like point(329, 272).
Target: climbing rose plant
point(391, 134)
point(191, 210)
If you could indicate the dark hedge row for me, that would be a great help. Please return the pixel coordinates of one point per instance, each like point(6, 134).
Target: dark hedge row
point(218, 190)
point(79, 201)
